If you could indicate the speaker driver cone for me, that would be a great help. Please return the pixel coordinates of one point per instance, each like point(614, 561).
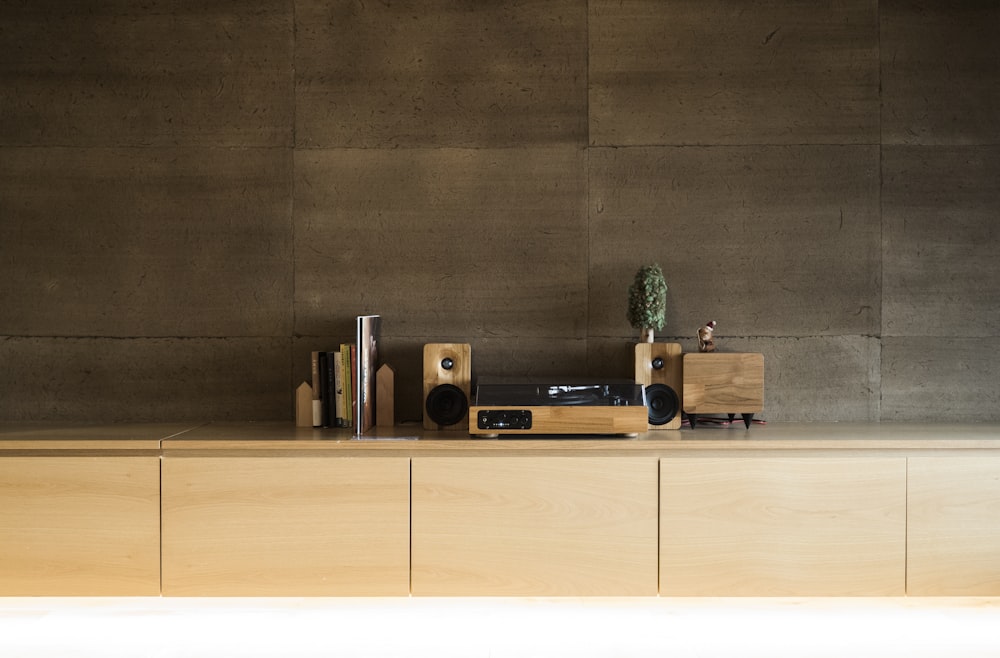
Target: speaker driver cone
point(446, 404)
point(662, 402)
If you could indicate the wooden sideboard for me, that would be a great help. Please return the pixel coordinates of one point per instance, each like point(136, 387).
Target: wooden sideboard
point(229, 509)
point(80, 509)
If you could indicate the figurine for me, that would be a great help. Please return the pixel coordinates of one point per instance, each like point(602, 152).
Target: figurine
point(705, 341)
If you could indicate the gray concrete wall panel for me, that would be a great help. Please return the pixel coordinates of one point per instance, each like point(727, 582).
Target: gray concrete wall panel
point(144, 379)
point(940, 379)
point(193, 196)
point(751, 237)
point(940, 79)
point(479, 242)
point(133, 74)
point(733, 72)
point(145, 242)
point(439, 73)
point(941, 271)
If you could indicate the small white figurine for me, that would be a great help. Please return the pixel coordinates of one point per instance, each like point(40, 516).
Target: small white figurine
point(705, 341)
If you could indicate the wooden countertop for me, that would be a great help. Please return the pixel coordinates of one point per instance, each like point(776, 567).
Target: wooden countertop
point(777, 436)
point(41, 436)
point(413, 439)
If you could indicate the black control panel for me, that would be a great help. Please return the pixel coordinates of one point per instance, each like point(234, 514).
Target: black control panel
point(504, 419)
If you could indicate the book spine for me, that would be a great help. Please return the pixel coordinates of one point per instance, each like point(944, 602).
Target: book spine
point(354, 389)
point(317, 400)
point(330, 389)
point(338, 388)
point(345, 355)
point(366, 339)
point(324, 367)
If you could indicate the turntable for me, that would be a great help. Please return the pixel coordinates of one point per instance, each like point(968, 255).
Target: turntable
point(527, 407)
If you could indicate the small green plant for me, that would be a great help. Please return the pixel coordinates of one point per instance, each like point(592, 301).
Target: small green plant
point(647, 301)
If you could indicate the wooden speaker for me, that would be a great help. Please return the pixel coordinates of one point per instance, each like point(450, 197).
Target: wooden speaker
point(447, 386)
point(658, 367)
point(717, 383)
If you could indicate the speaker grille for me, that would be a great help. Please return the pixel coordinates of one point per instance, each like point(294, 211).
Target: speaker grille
point(446, 404)
point(663, 404)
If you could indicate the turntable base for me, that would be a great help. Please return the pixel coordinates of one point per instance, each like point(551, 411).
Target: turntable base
point(538, 408)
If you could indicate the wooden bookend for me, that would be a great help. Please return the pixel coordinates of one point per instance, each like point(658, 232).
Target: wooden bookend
point(304, 405)
point(385, 396)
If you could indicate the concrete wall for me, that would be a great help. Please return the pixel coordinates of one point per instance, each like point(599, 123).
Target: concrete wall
point(194, 195)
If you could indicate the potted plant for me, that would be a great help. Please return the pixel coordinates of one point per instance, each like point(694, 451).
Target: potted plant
point(647, 301)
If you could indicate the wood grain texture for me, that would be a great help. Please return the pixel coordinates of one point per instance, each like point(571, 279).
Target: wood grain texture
point(534, 526)
point(670, 374)
point(569, 419)
point(723, 383)
point(732, 526)
point(700, 72)
point(79, 526)
point(458, 375)
point(385, 394)
point(431, 73)
point(789, 439)
point(285, 526)
point(953, 529)
point(55, 436)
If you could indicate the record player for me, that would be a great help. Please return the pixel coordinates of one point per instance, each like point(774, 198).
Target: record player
point(529, 407)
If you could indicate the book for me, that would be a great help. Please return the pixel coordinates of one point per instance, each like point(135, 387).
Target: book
point(330, 390)
point(352, 369)
point(347, 407)
point(338, 390)
point(368, 328)
point(317, 401)
point(323, 367)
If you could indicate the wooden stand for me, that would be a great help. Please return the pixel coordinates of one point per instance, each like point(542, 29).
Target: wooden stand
point(611, 421)
point(717, 383)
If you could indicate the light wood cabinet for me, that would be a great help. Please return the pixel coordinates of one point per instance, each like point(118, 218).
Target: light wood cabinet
point(953, 546)
point(280, 525)
point(257, 509)
point(534, 525)
point(79, 525)
point(786, 526)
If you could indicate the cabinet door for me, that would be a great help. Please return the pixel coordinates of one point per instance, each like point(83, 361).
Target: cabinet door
point(80, 526)
point(285, 526)
point(788, 526)
point(534, 526)
point(954, 526)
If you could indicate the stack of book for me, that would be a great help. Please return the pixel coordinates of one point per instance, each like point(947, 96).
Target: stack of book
point(343, 380)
